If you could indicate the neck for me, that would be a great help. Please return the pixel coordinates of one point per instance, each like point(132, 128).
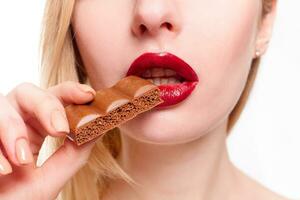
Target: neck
point(195, 170)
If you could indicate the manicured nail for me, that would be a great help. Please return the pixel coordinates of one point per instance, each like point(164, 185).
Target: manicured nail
point(5, 167)
point(24, 154)
point(59, 122)
point(86, 89)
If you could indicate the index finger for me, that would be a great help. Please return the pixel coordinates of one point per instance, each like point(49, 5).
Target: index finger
point(70, 92)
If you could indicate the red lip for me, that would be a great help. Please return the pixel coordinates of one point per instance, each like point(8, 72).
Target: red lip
point(170, 93)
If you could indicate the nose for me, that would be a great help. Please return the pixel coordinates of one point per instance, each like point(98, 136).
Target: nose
point(153, 17)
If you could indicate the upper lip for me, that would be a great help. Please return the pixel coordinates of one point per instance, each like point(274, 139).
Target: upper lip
point(162, 60)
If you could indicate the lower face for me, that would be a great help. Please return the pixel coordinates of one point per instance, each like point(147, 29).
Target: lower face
point(216, 39)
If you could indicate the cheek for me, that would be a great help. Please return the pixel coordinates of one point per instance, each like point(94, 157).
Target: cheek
point(100, 43)
point(224, 55)
point(224, 66)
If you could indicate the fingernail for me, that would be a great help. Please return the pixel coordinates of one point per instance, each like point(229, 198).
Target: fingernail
point(86, 89)
point(5, 167)
point(59, 122)
point(24, 154)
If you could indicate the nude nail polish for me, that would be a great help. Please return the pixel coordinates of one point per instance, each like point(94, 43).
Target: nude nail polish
point(86, 89)
point(23, 151)
point(59, 122)
point(5, 167)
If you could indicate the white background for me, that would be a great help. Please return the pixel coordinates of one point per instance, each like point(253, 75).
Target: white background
point(265, 143)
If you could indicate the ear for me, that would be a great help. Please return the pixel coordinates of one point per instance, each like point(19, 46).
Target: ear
point(265, 28)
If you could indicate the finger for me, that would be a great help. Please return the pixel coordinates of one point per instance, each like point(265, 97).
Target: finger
point(5, 167)
point(45, 105)
point(35, 140)
point(70, 92)
point(33, 102)
point(13, 134)
point(69, 158)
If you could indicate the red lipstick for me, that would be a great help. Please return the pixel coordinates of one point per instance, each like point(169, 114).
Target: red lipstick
point(171, 93)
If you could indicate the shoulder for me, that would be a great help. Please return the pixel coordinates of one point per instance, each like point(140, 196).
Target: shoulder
point(253, 190)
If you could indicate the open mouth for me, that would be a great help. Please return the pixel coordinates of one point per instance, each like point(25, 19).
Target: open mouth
point(162, 76)
point(175, 78)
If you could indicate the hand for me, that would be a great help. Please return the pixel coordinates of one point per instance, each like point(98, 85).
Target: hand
point(27, 115)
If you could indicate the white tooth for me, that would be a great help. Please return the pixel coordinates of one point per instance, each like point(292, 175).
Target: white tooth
point(169, 72)
point(172, 80)
point(150, 79)
point(147, 73)
point(157, 72)
point(156, 81)
point(164, 81)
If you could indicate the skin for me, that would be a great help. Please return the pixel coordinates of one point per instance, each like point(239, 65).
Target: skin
point(171, 154)
point(181, 158)
point(25, 112)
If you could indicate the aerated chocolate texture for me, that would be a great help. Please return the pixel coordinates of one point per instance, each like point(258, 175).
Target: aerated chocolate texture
point(111, 107)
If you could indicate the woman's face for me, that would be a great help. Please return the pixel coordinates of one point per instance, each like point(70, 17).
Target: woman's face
point(216, 38)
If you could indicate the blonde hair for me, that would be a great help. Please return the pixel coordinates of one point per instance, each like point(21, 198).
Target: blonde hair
point(60, 61)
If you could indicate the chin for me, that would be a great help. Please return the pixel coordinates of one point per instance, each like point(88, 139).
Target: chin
point(163, 126)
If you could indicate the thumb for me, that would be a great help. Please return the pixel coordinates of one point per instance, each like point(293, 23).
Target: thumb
point(62, 165)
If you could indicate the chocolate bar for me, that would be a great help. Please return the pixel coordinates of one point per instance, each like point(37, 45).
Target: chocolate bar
point(111, 107)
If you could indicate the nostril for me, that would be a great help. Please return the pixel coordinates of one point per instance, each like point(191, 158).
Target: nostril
point(143, 28)
point(167, 25)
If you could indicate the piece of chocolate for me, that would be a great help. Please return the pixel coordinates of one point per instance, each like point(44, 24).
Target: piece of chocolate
point(111, 107)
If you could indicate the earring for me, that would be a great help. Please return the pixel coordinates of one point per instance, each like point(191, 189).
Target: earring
point(257, 53)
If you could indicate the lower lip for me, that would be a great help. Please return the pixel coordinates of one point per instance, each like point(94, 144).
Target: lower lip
point(175, 93)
